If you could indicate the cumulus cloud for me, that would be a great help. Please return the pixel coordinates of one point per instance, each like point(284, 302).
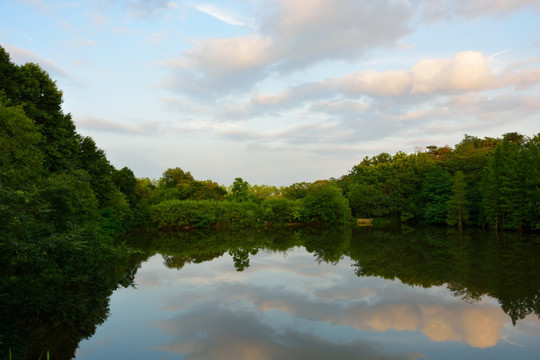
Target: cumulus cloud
point(220, 65)
point(466, 71)
point(295, 35)
point(314, 31)
point(292, 35)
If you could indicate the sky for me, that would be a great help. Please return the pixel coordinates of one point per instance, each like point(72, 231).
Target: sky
point(281, 91)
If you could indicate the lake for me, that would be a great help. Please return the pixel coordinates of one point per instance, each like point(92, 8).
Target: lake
point(426, 293)
point(284, 293)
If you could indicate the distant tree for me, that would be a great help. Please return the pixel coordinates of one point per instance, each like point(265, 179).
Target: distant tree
point(264, 192)
point(458, 212)
point(327, 205)
point(366, 200)
point(296, 191)
point(435, 195)
point(93, 160)
point(174, 177)
point(239, 190)
point(204, 190)
point(125, 181)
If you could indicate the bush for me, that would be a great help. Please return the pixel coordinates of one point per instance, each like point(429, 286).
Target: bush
point(326, 204)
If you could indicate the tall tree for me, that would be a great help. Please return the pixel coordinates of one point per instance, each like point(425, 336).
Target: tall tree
point(435, 195)
point(458, 211)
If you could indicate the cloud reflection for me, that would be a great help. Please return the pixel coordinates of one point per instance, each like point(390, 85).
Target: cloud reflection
point(230, 334)
point(320, 298)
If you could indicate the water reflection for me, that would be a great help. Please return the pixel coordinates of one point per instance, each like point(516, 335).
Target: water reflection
point(233, 334)
point(329, 293)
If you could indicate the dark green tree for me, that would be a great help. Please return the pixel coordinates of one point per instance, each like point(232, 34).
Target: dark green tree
point(458, 205)
point(435, 195)
point(174, 177)
point(125, 181)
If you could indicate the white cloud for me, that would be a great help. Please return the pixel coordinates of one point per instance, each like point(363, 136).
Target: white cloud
point(223, 15)
point(292, 36)
point(21, 56)
point(220, 65)
point(388, 83)
point(466, 71)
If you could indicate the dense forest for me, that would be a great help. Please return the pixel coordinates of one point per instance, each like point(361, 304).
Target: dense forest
point(489, 183)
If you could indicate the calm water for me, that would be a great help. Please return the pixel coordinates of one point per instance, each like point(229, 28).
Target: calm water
point(326, 294)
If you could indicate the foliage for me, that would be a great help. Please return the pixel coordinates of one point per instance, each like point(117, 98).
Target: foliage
point(435, 195)
point(458, 212)
point(326, 204)
point(239, 190)
point(56, 289)
point(59, 210)
point(496, 183)
point(280, 210)
point(471, 263)
point(178, 214)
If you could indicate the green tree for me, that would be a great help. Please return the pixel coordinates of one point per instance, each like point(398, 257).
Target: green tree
point(458, 211)
point(70, 201)
point(175, 177)
point(21, 159)
point(366, 200)
point(505, 184)
point(435, 195)
point(21, 173)
point(470, 157)
point(239, 190)
point(125, 181)
point(93, 160)
point(327, 205)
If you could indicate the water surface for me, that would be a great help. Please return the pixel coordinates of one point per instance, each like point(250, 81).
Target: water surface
point(327, 294)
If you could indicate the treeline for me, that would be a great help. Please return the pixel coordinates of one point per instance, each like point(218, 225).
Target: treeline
point(490, 183)
point(486, 182)
point(177, 201)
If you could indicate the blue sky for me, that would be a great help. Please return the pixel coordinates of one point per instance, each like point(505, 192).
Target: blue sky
point(281, 91)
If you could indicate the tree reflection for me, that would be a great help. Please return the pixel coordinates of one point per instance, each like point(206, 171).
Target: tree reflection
point(51, 303)
point(44, 309)
point(472, 263)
